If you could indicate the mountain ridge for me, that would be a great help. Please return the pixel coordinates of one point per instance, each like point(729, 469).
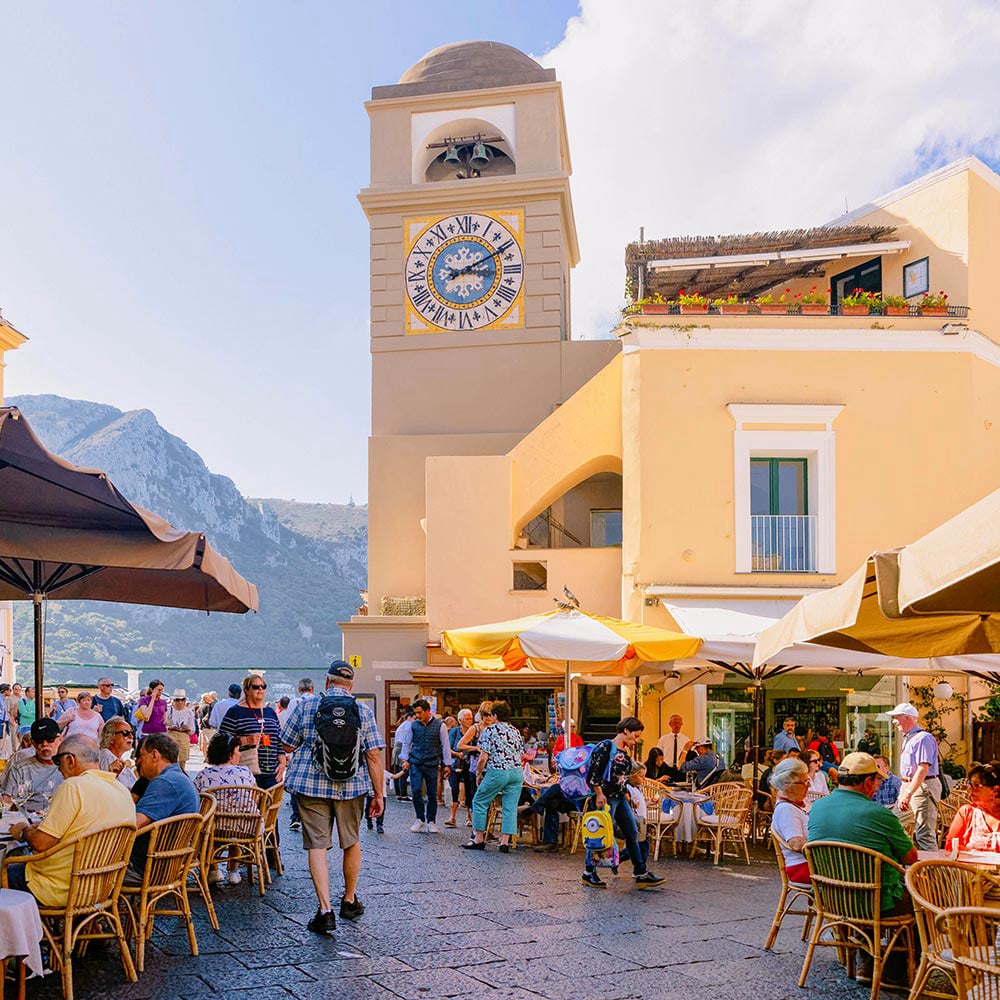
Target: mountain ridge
point(307, 582)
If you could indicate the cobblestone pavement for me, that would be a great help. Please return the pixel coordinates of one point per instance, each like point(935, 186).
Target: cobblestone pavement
point(442, 922)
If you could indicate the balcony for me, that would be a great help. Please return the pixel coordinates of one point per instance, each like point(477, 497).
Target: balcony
point(783, 543)
point(790, 311)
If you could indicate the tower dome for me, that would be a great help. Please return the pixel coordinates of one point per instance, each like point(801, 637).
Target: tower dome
point(468, 66)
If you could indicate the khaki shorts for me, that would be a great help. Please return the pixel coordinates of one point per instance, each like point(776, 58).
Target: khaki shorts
point(319, 815)
point(183, 741)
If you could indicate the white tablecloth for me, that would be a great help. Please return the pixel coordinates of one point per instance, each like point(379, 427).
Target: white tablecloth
point(684, 831)
point(20, 928)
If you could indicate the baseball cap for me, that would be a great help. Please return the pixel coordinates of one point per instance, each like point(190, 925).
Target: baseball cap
point(905, 708)
point(858, 763)
point(341, 668)
point(235, 690)
point(44, 729)
point(703, 741)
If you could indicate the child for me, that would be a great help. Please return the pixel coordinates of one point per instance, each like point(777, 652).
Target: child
point(634, 791)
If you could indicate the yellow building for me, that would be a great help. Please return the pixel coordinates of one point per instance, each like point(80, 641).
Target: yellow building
point(729, 461)
point(10, 340)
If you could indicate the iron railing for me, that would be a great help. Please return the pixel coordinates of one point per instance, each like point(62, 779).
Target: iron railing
point(783, 543)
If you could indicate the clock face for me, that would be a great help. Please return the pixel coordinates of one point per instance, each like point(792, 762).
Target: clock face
point(465, 272)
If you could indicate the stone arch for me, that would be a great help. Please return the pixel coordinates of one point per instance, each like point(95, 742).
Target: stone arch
point(425, 160)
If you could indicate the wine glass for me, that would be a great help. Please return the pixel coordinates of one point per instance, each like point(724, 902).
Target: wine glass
point(21, 795)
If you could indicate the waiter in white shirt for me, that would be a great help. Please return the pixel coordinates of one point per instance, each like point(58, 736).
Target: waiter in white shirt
point(672, 744)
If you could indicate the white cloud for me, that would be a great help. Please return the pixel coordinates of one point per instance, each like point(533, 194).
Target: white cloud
point(694, 117)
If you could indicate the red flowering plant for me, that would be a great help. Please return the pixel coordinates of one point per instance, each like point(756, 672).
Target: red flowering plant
point(691, 298)
point(934, 301)
point(859, 297)
point(813, 297)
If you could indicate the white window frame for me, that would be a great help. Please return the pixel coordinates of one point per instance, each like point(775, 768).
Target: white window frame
point(818, 447)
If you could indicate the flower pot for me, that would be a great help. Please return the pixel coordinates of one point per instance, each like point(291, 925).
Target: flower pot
point(655, 309)
point(689, 310)
point(854, 310)
point(934, 311)
point(896, 310)
point(734, 308)
point(773, 308)
point(815, 309)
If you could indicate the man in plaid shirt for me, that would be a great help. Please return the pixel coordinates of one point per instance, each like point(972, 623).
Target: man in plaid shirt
point(323, 802)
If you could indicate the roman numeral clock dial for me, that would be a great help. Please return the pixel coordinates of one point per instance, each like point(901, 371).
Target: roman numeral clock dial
point(465, 272)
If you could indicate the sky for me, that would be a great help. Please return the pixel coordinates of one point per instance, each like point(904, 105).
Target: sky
point(179, 226)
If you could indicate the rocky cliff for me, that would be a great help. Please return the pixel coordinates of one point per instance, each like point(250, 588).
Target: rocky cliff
point(308, 564)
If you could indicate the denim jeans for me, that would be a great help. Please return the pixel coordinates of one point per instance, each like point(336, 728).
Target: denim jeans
point(623, 816)
point(505, 783)
point(420, 774)
point(552, 802)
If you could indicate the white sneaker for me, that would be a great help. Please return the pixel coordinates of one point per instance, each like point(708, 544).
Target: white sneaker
point(215, 875)
point(432, 828)
point(234, 878)
point(417, 827)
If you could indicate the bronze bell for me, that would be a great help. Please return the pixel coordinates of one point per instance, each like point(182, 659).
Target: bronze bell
point(452, 158)
point(480, 156)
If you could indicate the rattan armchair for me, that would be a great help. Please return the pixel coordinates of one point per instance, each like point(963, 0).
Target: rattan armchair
point(271, 847)
point(847, 890)
point(947, 808)
point(791, 893)
point(98, 868)
point(935, 886)
point(203, 853)
point(239, 828)
point(973, 932)
point(163, 892)
point(659, 823)
point(727, 823)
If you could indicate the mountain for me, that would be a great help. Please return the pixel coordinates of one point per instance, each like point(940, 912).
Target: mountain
point(308, 560)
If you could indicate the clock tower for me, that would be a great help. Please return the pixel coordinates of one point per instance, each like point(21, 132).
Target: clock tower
point(472, 243)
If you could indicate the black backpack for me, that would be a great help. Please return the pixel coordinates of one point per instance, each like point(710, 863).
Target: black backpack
point(337, 748)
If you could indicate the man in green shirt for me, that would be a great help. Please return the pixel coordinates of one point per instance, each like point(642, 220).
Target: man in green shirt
point(848, 814)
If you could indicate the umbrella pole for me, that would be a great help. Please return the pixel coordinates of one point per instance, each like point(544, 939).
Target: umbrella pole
point(567, 725)
point(36, 600)
point(758, 694)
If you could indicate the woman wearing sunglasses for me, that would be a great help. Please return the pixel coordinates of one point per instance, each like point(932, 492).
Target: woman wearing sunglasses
point(257, 726)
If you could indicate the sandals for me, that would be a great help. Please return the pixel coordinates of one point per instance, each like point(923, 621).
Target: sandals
point(449, 822)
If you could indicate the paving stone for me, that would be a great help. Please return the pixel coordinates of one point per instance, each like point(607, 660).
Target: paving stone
point(424, 984)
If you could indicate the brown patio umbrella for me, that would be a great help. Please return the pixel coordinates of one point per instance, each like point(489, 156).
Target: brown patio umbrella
point(67, 532)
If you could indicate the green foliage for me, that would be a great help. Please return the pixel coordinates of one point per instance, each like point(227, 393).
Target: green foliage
point(932, 712)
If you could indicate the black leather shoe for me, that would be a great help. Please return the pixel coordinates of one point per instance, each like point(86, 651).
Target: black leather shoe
point(323, 923)
point(473, 846)
point(351, 911)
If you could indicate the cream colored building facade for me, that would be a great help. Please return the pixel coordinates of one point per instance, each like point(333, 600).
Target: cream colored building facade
point(507, 463)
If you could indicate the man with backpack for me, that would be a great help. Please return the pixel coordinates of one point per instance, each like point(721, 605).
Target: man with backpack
point(337, 762)
point(609, 771)
point(424, 748)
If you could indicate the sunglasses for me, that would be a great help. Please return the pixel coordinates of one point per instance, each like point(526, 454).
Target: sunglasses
point(127, 733)
point(57, 757)
point(258, 687)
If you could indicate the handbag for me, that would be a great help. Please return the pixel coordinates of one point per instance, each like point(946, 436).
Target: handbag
point(142, 712)
point(250, 757)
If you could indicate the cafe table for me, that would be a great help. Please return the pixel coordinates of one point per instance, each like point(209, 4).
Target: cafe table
point(982, 859)
point(686, 801)
point(20, 934)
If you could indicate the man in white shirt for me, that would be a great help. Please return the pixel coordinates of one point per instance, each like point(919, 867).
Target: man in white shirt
point(672, 744)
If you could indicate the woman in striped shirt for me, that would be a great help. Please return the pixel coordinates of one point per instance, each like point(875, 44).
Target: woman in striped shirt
point(257, 726)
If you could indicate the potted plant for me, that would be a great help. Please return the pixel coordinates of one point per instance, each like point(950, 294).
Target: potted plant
point(895, 305)
point(692, 302)
point(934, 304)
point(730, 305)
point(768, 307)
point(651, 305)
point(858, 303)
point(814, 302)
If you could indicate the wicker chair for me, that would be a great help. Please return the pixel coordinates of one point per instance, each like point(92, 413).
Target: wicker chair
point(973, 931)
point(847, 889)
point(98, 869)
point(271, 846)
point(791, 893)
point(947, 808)
point(202, 862)
point(172, 850)
point(659, 824)
point(727, 823)
point(935, 886)
point(239, 828)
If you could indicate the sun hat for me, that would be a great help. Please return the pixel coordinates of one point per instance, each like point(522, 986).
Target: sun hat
point(905, 708)
point(703, 741)
point(180, 694)
point(858, 763)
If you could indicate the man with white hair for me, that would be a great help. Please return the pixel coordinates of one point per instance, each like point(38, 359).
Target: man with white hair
point(462, 773)
point(87, 799)
point(919, 768)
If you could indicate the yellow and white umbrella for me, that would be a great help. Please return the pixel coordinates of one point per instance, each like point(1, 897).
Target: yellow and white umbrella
point(567, 640)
